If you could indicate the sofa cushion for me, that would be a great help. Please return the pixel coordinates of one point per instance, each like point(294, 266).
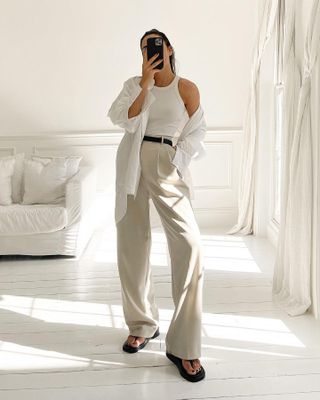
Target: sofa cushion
point(18, 219)
point(16, 179)
point(6, 172)
point(44, 181)
point(72, 162)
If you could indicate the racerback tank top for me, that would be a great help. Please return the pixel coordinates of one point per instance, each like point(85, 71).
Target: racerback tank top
point(167, 114)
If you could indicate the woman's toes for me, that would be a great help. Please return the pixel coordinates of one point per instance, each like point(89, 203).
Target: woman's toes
point(135, 342)
point(187, 366)
point(132, 341)
point(197, 365)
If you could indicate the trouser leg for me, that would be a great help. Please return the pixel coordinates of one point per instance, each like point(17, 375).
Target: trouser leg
point(183, 338)
point(133, 254)
point(171, 199)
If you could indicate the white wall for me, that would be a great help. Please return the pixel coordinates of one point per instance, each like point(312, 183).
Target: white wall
point(64, 61)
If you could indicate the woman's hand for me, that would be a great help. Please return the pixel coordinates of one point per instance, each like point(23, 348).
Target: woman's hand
point(148, 69)
point(175, 150)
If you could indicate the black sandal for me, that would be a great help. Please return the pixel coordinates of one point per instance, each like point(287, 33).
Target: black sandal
point(192, 378)
point(130, 349)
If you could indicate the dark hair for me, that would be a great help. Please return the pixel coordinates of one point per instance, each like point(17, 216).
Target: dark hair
point(167, 42)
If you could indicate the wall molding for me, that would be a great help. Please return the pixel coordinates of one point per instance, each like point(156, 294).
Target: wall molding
point(11, 149)
point(108, 133)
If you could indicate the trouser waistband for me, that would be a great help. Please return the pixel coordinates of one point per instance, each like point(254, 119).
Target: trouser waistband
point(158, 139)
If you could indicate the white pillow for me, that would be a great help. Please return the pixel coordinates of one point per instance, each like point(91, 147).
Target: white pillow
point(16, 179)
point(44, 181)
point(6, 172)
point(72, 162)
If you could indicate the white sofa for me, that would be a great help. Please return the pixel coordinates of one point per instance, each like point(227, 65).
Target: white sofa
point(52, 229)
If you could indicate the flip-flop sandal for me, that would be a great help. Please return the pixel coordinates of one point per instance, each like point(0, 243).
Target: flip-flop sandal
point(190, 377)
point(130, 349)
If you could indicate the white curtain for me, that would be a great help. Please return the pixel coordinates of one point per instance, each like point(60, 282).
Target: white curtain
point(289, 90)
point(292, 273)
point(248, 156)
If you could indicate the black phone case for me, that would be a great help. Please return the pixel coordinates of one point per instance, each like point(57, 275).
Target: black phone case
point(154, 46)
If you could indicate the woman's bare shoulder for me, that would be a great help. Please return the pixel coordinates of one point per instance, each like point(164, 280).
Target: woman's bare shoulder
point(190, 94)
point(187, 84)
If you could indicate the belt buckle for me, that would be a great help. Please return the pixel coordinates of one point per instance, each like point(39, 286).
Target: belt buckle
point(162, 138)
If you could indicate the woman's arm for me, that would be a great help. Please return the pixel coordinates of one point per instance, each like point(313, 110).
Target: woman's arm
point(130, 103)
point(136, 106)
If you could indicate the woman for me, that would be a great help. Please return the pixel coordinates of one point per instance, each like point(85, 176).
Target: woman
point(165, 127)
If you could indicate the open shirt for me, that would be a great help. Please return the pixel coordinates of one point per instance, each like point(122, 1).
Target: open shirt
point(189, 145)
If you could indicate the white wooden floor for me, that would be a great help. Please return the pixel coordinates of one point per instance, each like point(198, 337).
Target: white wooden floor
point(62, 329)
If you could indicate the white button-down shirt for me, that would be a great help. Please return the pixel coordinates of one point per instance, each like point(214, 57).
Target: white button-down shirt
point(190, 143)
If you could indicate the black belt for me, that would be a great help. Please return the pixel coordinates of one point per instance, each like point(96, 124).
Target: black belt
point(158, 139)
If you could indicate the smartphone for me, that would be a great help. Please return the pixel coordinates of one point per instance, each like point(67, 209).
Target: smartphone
point(154, 46)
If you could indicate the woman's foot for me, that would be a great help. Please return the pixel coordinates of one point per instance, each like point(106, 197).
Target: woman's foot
point(188, 367)
point(135, 341)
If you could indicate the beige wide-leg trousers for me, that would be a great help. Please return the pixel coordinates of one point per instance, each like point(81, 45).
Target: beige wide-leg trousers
point(161, 182)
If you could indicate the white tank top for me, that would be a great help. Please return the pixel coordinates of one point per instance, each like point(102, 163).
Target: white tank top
point(167, 114)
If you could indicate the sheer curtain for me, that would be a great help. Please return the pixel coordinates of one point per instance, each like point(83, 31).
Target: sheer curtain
point(248, 156)
point(292, 273)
